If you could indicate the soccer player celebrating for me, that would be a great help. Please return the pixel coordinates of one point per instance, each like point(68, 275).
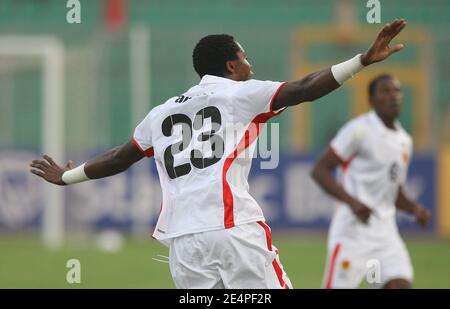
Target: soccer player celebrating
point(215, 230)
point(374, 152)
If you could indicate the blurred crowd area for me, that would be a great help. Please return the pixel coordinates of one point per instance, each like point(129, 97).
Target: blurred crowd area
point(284, 40)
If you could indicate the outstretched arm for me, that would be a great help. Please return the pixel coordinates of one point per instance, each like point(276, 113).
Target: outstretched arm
point(110, 163)
point(319, 84)
point(404, 203)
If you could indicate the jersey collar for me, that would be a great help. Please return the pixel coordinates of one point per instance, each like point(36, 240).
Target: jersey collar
point(212, 79)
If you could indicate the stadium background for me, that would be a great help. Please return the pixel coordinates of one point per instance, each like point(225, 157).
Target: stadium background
point(107, 223)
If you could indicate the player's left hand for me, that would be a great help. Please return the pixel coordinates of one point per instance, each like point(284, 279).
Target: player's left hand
point(380, 49)
point(423, 216)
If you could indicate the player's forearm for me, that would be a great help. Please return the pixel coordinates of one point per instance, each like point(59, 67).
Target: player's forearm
point(309, 88)
point(324, 178)
point(321, 83)
point(406, 204)
point(110, 163)
point(107, 164)
point(317, 84)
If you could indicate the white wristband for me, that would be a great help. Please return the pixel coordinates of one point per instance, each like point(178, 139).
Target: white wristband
point(346, 70)
point(75, 175)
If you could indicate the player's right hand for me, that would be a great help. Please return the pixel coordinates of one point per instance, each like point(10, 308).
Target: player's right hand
point(422, 215)
point(361, 211)
point(49, 170)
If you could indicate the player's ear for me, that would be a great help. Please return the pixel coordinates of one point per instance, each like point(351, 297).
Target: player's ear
point(230, 66)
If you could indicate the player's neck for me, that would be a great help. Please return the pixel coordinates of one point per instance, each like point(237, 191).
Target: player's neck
point(388, 122)
point(232, 77)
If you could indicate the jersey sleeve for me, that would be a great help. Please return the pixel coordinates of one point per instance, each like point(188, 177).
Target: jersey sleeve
point(347, 141)
point(255, 97)
point(142, 136)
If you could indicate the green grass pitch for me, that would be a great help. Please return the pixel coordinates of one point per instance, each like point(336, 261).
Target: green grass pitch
point(24, 263)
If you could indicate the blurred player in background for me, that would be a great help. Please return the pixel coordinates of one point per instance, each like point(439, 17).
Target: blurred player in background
point(373, 151)
point(214, 228)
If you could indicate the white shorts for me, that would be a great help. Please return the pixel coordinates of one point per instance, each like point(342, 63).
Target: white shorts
point(242, 257)
point(350, 261)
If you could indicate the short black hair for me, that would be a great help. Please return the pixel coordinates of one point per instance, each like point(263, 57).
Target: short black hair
point(212, 52)
point(374, 83)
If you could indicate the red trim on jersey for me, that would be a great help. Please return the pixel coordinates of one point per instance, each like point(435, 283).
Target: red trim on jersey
point(246, 140)
point(148, 153)
point(329, 280)
point(275, 264)
point(268, 234)
point(344, 163)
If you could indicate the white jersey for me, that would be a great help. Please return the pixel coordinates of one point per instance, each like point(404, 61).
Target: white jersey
point(375, 161)
point(203, 143)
